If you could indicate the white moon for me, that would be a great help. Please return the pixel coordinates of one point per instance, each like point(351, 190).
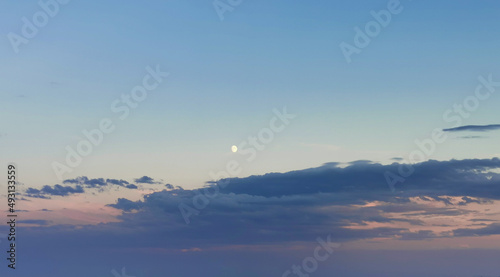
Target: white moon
point(234, 148)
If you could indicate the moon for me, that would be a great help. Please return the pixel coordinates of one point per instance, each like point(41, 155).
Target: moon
point(234, 148)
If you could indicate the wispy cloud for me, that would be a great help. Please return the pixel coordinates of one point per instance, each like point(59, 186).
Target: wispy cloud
point(474, 128)
point(35, 221)
point(470, 137)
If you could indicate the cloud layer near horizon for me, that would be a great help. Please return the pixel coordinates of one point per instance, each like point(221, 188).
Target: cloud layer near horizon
point(280, 208)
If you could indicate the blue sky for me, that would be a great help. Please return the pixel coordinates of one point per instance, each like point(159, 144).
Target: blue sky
point(233, 73)
point(226, 80)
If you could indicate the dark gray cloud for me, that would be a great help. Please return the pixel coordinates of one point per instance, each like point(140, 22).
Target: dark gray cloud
point(35, 221)
point(169, 186)
point(470, 137)
point(126, 205)
point(364, 182)
point(482, 219)
point(474, 128)
point(296, 206)
point(492, 229)
point(99, 182)
point(81, 183)
point(56, 190)
point(468, 200)
point(96, 183)
point(145, 180)
point(361, 162)
point(122, 183)
point(419, 235)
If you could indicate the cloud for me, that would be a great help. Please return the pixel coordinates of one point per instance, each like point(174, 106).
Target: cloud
point(492, 229)
point(81, 184)
point(470, 137)
point(169, 186)
point(126, 205)
point(419, 235)
point(86, 181)
point(297, 206)
point(145, 180)
point(131, 186)
point(122, 183)
point(365, 181)
point(282, 207)
point(360, 162)
point(56, 190)
point(35, 221)
point(99, 182)
point(468, 200)
point(474, 128)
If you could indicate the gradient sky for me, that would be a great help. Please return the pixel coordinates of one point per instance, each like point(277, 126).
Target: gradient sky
point(226, 79)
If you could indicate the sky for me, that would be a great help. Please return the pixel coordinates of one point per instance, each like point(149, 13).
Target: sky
point(229, 137)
